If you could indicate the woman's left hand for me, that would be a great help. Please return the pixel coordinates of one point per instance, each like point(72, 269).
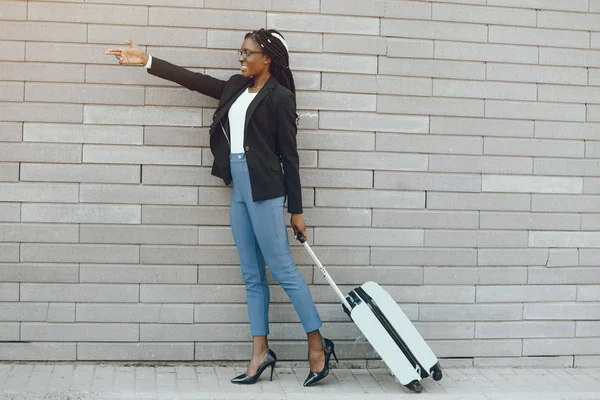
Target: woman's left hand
point(298, 224)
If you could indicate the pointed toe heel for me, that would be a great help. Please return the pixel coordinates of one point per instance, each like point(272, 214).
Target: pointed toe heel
point(269, 361)
point(314, 377)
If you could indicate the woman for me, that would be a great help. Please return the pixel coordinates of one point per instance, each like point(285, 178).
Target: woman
point(253, 132)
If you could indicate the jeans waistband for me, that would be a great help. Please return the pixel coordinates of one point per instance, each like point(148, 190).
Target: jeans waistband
point(237, 157)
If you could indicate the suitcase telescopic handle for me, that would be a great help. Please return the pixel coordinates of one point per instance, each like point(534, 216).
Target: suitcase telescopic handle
point(302, 239)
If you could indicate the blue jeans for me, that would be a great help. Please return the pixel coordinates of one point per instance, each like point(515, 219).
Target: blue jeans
point(260, 235)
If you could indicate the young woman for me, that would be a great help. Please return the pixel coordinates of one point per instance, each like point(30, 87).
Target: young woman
point(252, 134)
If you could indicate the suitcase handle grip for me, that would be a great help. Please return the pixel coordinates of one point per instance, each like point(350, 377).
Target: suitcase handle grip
point(328, 278)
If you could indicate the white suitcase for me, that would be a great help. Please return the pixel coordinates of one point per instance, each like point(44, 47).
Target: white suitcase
point(388, 330)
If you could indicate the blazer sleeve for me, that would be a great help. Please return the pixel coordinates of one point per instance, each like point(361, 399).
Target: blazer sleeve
point(286, 137)
point(196, 81)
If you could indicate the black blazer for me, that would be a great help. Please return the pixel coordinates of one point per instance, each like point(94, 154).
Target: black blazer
point(269, 134)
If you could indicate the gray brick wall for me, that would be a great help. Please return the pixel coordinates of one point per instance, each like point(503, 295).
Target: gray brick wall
point(450, 150)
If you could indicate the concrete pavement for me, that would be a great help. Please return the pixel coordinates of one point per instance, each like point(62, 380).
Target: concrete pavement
point(108, 381)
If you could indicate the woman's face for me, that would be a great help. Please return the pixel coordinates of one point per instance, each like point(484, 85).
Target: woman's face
point(256, 60)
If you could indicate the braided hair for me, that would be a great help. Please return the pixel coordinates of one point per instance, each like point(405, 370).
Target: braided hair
point(276, 50)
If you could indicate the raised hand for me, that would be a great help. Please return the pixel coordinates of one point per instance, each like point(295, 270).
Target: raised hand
point(130, 55)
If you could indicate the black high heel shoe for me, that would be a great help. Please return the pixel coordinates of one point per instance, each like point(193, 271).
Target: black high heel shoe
point(269, 361)
point(314, 377)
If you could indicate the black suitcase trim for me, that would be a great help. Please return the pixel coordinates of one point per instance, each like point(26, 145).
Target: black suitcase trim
point(392, 331)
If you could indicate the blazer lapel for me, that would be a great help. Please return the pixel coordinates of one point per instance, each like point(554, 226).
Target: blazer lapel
point(224, 108)
point(269, 84)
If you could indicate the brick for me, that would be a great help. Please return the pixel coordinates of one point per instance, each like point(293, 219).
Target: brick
point(354, 44)
point(80, 293)
point(175, 136)
point(338, 216)
point(569, 94)
point(185, 215)
point(82, 213)
point(10, 212)
point(476, 348)
point(425, 219)
point(323, 23)
point(11, 131)
point(566, 130)
point(31, 71)
point(103, 273)
point(151, 254)
point(360, 64)
point(148, 115)
point(41, 152)
point(565, 275)
point(79, 173)
point(116, 74)
point(463, 238)
point(478, 201)
point(20, 232)
point(39, 192)
point(594, 77)
point(567, 167)
point(142, 313)
point(427, 143)
point(564, 203)
point(70, 133)
point(34, 331)
point(587, 328)
point(434, 30)
point(372, 121)
point(536, 73)
point(565, 346)
point(525, 362)
point(9, 292)
point(570, 57)
point(43, 112)
point(588, 293)
point(486, 90)
point(297, 41)
point(563, 258)
point(529, 221)
point(576, 5)
point(422, 256)
point(83, 93)
point(588, 257)
point(432, 68)
point(593, 113)
point(430, 105)
point(9, 252)
point(236, 4)
point(135, 351)
point(177, 97)
point(505, 257)
point(539, 37)
point(531, 184)
point(141, 155)
point(409, 47)
point(288, 5)
point(567, 20)
point(367, 237)
point(357, 275)
point(375, 8)
point(336, 101)
point(335, 140)
point(11, 91)
point(590, 222)
point(335, 178)
point(592, 149)
point(427, 181)
point(470, 312)
point(503, 276)
point(450, 275)
point(586, 362)
point(561, 311)
point(207, 235)
point(43, 31)
point(181, 176)
point(525, 294)
point(79, 253)
point(9, 332)
point(24, 272)
point(231, 275)
point(537, 110)
point(484, 15)
point(106, 193)
point(368, 198)
point(481, 127)
point(37, 351)
point(372, 160)
point(564, 239)
point(218, 196)
point(87, 13)
point(12, 51)
point(61, 312)
point(190, 294)
point(9, 172)
point(524, 329)
point(155, 36)
point(205, 18)
point(14, 10)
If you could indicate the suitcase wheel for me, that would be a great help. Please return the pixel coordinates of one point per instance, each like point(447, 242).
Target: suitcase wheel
point(415, 386)
point(436, 372)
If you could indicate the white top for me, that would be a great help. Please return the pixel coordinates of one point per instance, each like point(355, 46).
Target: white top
point(237, 119)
